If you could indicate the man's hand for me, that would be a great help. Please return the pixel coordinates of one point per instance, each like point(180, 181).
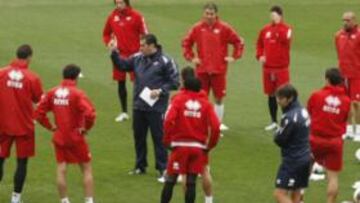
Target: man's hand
point(82, 131)
point(155, 93)
point(53, 129)
point(196, 61)
point(229, 59)
point(112, 45)
point(262, 59)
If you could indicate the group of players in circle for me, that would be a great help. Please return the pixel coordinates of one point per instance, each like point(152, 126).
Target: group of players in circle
point(192, 125)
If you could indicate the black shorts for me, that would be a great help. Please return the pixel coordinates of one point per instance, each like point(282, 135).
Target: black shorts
point(294, 175)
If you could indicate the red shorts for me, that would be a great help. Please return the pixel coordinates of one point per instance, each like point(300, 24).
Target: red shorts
point(185, 160)
point(25, 145)
point(274, 78)
point(328, 153)
point(121, 75)
point(353, 88)
point(216, 82)
point(73, 154)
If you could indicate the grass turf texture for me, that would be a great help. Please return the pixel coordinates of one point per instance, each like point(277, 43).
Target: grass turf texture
point(245, 162)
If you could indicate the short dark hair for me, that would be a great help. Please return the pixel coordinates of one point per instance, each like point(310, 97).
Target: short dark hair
point(277, 9)
point(211, 6)
point(127, 2)
point(151, 39)
point(192, 84)
point(187, 72)
point(334, 77)
point(24, 51)
point(71, 72)
point(287, 91)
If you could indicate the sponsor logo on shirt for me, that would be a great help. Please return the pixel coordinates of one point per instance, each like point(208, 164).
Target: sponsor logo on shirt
point(332, 104)
point(128, 18)
point(217, 31)
point(15, 79)
point(192, 109)
point(61, 97)
point(268, 35)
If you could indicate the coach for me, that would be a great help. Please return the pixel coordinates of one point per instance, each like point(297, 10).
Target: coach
point(159, 73)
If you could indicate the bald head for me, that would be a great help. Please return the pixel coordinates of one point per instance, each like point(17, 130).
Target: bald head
point(349, 19)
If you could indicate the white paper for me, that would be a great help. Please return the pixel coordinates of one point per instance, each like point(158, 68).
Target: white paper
point(145, 96)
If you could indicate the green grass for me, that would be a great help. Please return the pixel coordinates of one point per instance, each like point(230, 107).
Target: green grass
point(244, 164)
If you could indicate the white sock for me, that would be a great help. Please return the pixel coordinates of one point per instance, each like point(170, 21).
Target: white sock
point(208, 199)
point(15, 197)
point(219, 110)
point(357, 130)
point(65, 200)
point(89, 200)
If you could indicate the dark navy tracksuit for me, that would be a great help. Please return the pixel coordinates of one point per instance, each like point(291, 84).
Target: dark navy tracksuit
point(293, 139)
point(156, 71)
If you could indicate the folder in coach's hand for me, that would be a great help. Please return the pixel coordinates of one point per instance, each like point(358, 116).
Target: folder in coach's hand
point(145, 96)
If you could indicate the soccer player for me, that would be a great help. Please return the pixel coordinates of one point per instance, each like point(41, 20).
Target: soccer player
point(192, 129)
point(188, 72)
point(212, 38)
point(74, 117)
point(156, 74)
point(124, 27)
point(347, 42)
point(273, 52)
point(20, 89)
point(329, 110)
point(293, 139)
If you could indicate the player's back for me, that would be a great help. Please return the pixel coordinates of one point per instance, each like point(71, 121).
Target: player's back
point(329, 109)
point(191, 114)
point(66, 102)
point(19, 90)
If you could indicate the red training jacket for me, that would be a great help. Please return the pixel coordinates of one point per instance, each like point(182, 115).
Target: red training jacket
point(72, 111)
point(20, 89)
point(212, 46)
point(190, 120)
point(329, 109)
point(274, 42)
point(127, 26)
point(348, 51)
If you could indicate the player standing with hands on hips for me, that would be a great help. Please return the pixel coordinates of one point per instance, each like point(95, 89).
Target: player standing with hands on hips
point(74, 116)
point(212, 38)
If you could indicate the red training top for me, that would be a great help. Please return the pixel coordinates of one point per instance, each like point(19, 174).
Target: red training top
point(72, 111)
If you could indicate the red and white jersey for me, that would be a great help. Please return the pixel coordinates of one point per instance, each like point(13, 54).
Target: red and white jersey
point(274, 42)
point(127, 26)
point(20, 89)
point(72, 111)
point(329, 109)
point(212, 43)
point(348, 51)
point(190, 120)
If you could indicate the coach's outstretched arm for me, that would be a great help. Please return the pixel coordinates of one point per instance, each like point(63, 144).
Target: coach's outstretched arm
point(121, 63)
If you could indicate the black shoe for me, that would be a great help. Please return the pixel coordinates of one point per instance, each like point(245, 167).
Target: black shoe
point(137, 171)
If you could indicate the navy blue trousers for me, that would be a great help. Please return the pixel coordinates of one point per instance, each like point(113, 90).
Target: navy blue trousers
point(142, 122)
